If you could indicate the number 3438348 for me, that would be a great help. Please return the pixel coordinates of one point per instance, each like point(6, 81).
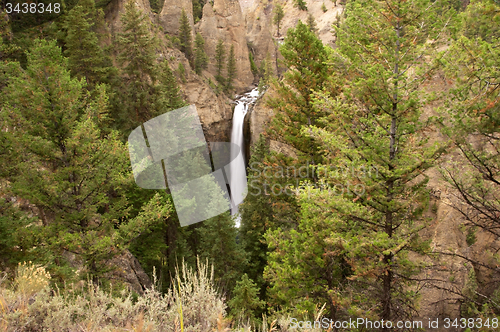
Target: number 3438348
point(32, 8)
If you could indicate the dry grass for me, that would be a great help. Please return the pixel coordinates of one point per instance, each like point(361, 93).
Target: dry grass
point(193, 305)
point(32, 306)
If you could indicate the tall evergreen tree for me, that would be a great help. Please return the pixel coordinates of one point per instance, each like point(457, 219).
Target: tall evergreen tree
point(266, 69)
point(200, 57)
point(169, 96)
point(256, 216)
point(86, 58)
point(220, 56)
point(279, 14)
point(376, 124)
point(135, 99)
point(217, 243)
point(305, 57)
point(65, 167)
point(185, 36)
point(311, 23)
point(245, 302)
point(231, 69)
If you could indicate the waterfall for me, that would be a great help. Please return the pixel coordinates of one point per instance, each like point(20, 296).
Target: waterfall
point(238, 178)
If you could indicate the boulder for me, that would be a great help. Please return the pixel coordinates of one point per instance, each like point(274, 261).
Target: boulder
point(126, 268)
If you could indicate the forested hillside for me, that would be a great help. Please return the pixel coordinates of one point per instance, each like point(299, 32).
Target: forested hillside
point(372, 154)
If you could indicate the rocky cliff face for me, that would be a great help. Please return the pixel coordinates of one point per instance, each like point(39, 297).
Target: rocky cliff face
point(171, 13)
point(116, 8)
point(263, 38)
point(215, 110)
point(262, 33)
point(224, 20)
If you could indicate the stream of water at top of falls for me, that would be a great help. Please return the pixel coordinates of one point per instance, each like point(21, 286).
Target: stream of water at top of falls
point(238, 174)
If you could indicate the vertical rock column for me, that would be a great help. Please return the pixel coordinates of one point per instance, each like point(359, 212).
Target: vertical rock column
point(224, 20)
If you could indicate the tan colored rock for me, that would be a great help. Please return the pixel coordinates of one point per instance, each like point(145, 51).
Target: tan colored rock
point(260, 116)
point(260, 34)
point(263, 39)
point(116, 8)
point(171, 13)
point(215, 111)
point(225, 21)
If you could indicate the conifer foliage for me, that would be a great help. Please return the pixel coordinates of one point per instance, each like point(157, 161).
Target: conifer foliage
point(185, 36)
point(200, 57)
point(86, 58)
point(63, 164)
point(279, 14)
point(305, 56)
point(136, 46)
point(231, 69)
point(301, 4)
point(220, 56)
point(376, 127)
point(473, 63)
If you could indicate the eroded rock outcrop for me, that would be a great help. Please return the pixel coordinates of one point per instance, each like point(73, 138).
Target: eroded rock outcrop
point(116, 8)
point(262, 33)
point(171, 13)
point(224, 20)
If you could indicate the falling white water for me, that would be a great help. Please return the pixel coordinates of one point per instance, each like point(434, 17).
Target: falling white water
point(238, 177)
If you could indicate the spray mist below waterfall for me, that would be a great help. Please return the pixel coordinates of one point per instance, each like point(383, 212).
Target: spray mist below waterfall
point(238, 178)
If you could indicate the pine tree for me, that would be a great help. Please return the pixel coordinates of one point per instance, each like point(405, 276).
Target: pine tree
point(217, 243)
point(481, 20)
point(376, 127)
point(200, 57)
point(279, 14)
point(473, 107)
point(220, 56)
point(65, 167)
point(182, 72)
point(307, 264)
point(136, 44)
point(86, 57)
point(311, 23)
point(305, 57)
point(185, 36)
point(169, 97)
point(231, 69)
point(267, 73)
point(301, 4)
point(135, 99)
point(256, 215)
point(245, 302)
